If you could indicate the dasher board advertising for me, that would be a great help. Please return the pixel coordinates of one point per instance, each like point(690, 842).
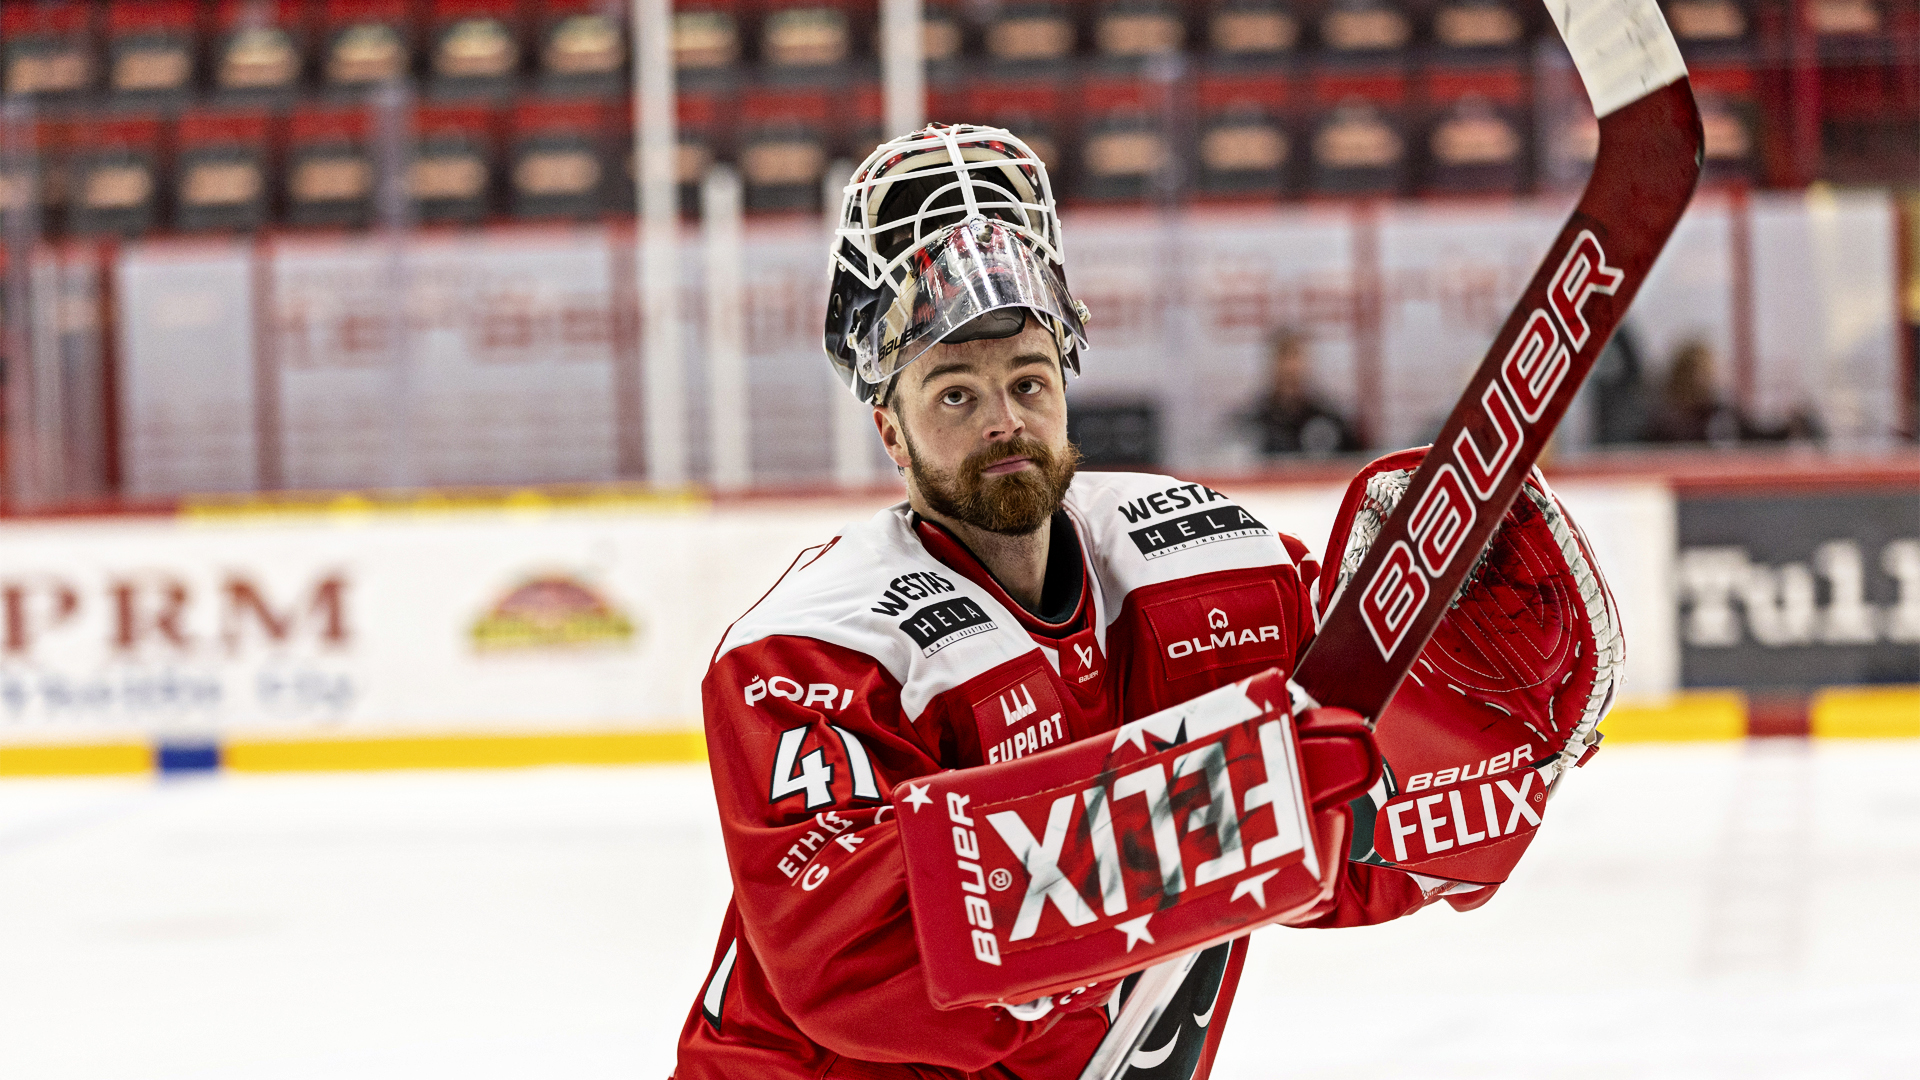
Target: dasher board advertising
point(1799, 589)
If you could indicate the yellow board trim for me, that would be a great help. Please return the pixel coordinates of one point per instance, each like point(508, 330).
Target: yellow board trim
point(1694, 716)
point(1866, 712)
point(358, 504)
point(1891, 712)
point(463, 751)
point(102, 759)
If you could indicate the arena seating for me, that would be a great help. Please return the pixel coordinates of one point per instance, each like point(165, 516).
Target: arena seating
point(1251, 99)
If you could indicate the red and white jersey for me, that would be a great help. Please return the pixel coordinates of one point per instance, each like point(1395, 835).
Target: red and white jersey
point(890, 653)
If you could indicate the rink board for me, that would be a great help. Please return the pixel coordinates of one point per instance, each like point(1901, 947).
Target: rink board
point(524, 628)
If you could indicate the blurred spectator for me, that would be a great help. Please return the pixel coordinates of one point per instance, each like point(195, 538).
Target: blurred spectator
point(1620, 392)
point(1293, 418)
point(1691, 409)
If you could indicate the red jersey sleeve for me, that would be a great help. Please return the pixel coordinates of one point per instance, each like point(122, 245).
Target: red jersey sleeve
point(805, 740)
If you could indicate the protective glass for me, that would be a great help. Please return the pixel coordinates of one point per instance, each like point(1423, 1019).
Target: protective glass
point(978, 266)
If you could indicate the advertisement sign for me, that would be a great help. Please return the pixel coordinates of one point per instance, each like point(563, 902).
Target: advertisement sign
point(522, 616)
point(377, 623)
point(1798, 589)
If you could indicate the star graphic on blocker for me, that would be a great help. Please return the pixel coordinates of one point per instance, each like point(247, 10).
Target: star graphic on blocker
point(1131, 733)
point(1255, 887)
point(1136, 930)
point(917, 795)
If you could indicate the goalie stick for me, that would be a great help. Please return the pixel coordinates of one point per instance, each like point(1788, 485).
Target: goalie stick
point(1643, 177)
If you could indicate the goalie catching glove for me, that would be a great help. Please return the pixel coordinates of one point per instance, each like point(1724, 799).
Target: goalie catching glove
point(1502, 701)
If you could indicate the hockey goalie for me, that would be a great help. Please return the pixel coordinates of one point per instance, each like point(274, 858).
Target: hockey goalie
point(980, 758)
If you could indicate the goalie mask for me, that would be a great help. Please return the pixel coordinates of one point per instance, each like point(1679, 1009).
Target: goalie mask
point(947, 234)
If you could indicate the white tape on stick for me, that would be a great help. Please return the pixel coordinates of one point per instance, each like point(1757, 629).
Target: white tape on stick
point(1622, 48)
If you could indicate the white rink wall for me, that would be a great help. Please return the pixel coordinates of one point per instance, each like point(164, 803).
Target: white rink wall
point(362, 623)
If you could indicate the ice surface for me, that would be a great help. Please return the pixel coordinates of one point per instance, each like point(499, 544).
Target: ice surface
point(1694, 911)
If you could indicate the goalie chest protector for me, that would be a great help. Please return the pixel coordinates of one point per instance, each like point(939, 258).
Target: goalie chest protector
point(1188, 591)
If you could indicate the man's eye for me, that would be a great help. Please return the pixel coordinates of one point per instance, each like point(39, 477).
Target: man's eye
point(1027, 386)
point(954, 397)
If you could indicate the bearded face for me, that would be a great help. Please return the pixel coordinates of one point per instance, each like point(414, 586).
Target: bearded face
point(1016, 504)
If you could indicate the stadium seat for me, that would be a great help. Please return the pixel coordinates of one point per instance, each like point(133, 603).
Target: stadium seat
point(47, 50)
point(150, 49)
point(1258, 30)
point(329, 176)
point(1475, 132)
point(37, 177)
point(1728, 120)
point(1708, 22)
point(1478, 27)
point(799, 37)
point(783, 148)
point(114, 176)
point(582, 47)
point(706, 36)
point(365, 43)
point(474, 47)
point(1244, 146)
point(558, 162)
point(943, 37)
point(260, 49)
point(701, 139)
point(1029, 34)
point(222, 161)
point(1356, 27)
point(1136, 30)
point(1359, 140)
point(1125, 149)
point(450, 178)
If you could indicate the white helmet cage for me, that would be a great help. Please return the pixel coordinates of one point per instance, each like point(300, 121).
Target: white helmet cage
point(907, 196)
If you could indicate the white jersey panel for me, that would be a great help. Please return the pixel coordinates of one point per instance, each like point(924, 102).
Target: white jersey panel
point(877, 591)
point(1143, 529)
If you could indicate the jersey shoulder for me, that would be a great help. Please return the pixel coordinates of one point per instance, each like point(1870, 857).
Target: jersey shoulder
point(1147, 528)
point(877, 591)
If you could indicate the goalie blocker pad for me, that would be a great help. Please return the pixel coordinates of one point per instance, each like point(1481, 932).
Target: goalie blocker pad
point(1101, 858)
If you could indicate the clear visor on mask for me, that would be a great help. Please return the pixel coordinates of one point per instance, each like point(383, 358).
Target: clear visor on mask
point(976, 267)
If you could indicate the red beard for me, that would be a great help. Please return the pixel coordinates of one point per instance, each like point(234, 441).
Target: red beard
point(1012, 505)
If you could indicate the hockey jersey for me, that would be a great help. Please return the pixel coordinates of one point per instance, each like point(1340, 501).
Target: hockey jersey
point(890, 653)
